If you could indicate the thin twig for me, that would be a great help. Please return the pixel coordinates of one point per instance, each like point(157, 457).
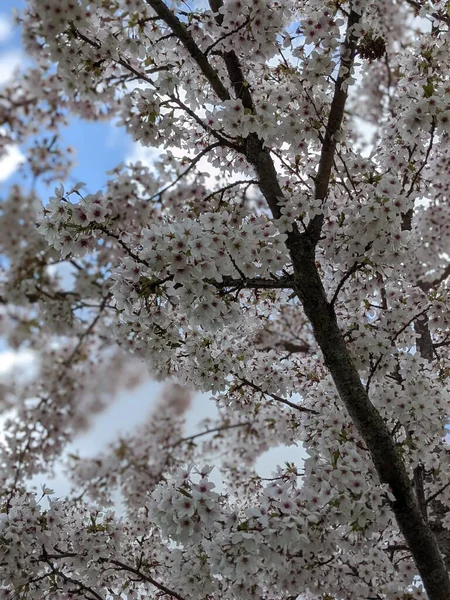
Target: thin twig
point(276, 397)
point(355, 267)
point(399, 332)
point(145, 577)
point(207, 432)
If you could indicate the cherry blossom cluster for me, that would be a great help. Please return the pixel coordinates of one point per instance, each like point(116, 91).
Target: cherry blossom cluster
point(269, 254)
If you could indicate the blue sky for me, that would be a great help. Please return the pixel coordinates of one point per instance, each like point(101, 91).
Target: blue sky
point(99, 146)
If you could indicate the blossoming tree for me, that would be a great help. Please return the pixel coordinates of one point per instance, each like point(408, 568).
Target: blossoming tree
point(305, 286)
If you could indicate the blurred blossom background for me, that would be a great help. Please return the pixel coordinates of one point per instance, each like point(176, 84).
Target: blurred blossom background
point(96, 148)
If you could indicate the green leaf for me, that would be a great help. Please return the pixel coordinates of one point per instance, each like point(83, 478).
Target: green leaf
point(336, 456)
point(184, 492)
point(243, 526)
point(428, 89)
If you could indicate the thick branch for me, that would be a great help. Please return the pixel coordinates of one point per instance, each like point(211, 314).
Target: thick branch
point(180, 30)
point(424, 341)
point(233, 66)
point(419, 477)
point(334, 123)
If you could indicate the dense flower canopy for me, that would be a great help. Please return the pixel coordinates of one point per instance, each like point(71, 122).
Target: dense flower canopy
point(304, 285)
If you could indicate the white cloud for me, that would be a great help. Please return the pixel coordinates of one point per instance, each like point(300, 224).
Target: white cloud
point(22, 361)
point(10, 161)
point(148, 156)
point(140, 153)
point(11, 156)
point(267, 463)
point(125, 413)
point(366, 132)
point(6, 28)
point(9, 62)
